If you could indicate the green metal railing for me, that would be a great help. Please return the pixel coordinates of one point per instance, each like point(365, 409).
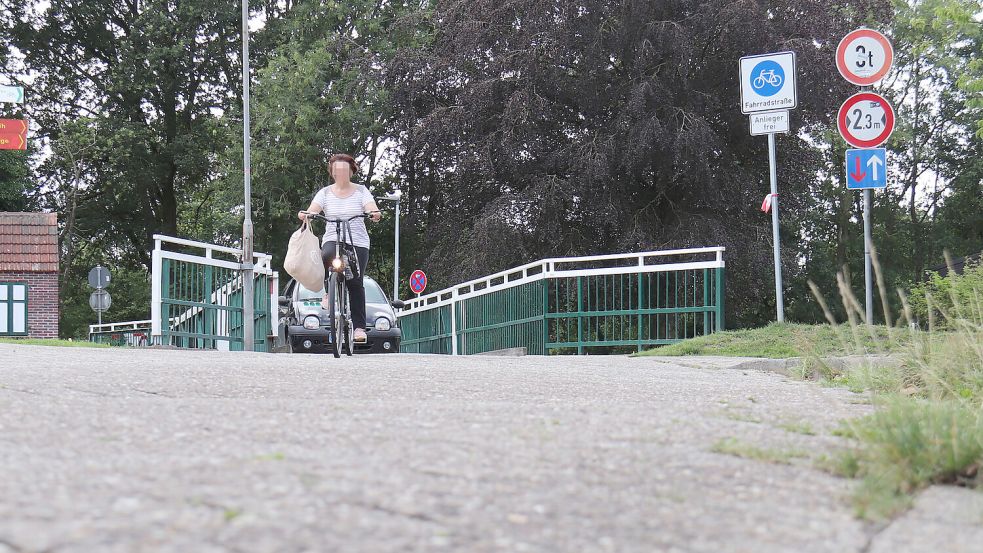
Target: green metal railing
point(574, 305)
point(197, 300)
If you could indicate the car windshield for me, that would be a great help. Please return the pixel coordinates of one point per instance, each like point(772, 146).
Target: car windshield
point(373, 293)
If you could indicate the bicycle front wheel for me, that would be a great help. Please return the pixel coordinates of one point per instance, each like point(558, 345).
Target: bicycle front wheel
point(334, 321)
point(347, 325)
point(338, 306)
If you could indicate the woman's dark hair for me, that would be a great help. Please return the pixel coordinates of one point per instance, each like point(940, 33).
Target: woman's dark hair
point(346, 158)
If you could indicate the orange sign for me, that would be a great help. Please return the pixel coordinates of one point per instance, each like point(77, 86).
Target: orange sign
point(13, 134)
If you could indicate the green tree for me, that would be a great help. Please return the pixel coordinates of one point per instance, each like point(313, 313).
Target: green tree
point(14, 173)
point(935, 90)
point(535, 129)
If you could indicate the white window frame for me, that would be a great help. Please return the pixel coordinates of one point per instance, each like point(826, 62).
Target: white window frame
point(10, 302)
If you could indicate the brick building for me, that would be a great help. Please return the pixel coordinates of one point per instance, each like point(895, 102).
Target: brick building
point(29, 275)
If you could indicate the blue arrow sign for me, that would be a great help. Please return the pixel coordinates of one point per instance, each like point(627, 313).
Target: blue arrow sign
point(866, 168)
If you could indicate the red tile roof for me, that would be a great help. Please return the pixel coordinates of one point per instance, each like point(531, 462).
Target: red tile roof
point(28, 242)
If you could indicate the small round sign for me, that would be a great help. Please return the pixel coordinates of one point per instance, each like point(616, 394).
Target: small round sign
point(864, 56)
point(865, 120)
point(100, 300)
point(418, 281)
point(99, 277)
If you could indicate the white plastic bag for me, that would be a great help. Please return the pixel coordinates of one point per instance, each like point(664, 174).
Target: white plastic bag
point(303, 261)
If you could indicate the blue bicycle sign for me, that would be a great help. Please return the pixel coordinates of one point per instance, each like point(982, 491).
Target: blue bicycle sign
point(768, 83)
point(767, 78)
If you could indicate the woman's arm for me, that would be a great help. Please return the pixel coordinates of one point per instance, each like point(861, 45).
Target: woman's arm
point(313, 208)
point(373, 209)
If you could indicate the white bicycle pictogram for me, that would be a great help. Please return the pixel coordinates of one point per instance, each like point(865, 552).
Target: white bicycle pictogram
point(767, 77)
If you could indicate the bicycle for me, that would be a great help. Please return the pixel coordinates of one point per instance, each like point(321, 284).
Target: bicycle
point(339, 314)
point(767, 77)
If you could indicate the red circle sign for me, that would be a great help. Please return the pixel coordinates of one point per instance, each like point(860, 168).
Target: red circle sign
point(864, 56)
point(865, 120)
point(418, 281)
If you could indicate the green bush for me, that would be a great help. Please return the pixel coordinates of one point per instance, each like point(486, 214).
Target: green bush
point(940, 300)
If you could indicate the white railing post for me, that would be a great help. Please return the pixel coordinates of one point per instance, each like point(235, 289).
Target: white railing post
point(275, 304)
point(454, 322)
point(156, 294)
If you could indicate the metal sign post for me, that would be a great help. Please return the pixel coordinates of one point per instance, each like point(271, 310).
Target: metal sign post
point(868, 271)
point(248, 316)
point(773, 172)
point(866, 169)
point(768, 91)
point(865, 120)
point(395, 197)
point(100, 300)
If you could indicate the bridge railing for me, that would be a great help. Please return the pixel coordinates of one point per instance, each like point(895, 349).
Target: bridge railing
point(196, 300)
point(127, 333)
point(574, 304)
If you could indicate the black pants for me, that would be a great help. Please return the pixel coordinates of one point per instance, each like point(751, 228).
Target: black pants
point(356, 287)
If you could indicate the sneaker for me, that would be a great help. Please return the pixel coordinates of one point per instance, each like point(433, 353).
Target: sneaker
point(324, 302)
point(360, 336)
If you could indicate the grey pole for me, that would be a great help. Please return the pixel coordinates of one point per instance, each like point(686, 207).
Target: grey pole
point(248, 317)
point(396, 265)
point(779, 296)
point(868, 273)
point(868, 241)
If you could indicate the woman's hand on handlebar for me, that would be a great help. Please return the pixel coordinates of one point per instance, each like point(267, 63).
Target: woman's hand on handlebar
point(376, 215)
point(302, 215)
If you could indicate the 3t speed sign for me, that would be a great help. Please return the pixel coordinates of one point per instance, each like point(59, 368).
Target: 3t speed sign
point(865, 120)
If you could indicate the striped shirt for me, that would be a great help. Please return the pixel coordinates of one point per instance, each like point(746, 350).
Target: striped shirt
point(343, 208)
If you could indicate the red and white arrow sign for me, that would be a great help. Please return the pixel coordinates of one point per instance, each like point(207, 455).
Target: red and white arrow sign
point(858, 174)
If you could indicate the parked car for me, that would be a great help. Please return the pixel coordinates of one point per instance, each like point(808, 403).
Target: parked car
point(297, 304)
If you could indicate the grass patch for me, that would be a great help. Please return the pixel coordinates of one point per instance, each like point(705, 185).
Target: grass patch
point(52, 342)
point(733, 446)
point(276, 456)
point(908, 444)
point(742, 417)
point(928, 425)
point(784, 340)
point(798, 427)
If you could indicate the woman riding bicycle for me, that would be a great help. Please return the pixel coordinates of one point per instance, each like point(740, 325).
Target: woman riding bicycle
point(344, 199)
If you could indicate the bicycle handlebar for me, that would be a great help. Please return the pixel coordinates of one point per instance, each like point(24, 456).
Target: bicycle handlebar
point(326, 220)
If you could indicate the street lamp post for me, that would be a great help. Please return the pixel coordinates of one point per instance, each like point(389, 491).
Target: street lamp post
point(248, 317)
point(395, 197)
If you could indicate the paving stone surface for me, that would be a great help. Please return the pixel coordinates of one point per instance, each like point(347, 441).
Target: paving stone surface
point(140, 450)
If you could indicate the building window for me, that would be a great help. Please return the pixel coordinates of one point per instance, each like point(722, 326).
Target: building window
point(13, 309)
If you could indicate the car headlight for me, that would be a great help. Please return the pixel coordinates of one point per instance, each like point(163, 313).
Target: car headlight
point(382, 323)
point(311, 322)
